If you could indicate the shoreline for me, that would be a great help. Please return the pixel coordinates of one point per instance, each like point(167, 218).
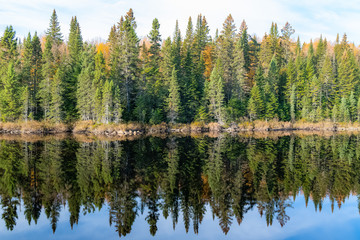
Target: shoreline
point(138, 129)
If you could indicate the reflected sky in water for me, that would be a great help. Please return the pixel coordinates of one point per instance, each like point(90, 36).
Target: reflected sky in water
point(305, 223)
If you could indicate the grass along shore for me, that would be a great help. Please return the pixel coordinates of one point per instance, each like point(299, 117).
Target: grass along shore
point(128, 129)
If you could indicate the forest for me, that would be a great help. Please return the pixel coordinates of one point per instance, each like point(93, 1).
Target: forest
point(231, 77)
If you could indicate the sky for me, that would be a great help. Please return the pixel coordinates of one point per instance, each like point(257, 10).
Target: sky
point(309, 18)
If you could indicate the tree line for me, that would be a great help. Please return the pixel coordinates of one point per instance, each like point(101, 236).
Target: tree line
point(230, 77)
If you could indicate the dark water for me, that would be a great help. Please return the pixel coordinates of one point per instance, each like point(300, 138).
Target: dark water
point(291, 187)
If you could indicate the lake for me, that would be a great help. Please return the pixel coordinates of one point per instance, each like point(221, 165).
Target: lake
point(292, 186)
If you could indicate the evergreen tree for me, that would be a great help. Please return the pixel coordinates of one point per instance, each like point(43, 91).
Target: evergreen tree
point(225, 54)
point(344, 113)
point(75, 46)
point(173, 99)
point(348, 74)
point(125, 70)
point(54, 32)
point(56, 102)
point(107, 101)
point(10, 96)
point(98, 83)
point(44, 93)
point(270, 101)
point(85, 87)
point(215, 95)
point(293, 104)
point(352, 107)
point(256, 104)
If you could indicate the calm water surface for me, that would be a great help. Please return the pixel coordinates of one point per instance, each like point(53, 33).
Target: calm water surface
point(291, 187)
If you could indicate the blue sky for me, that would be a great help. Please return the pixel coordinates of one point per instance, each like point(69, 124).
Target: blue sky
point(310, 18)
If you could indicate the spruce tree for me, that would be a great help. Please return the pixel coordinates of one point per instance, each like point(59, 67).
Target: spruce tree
point(256, 104)
point(54, 32)
point(107, 101)
point(352, 106)
point(10, 96)
point(86, 91)
point(56, 102)
point(173, 100)
point(225, 53)
point(293, 104)
point(125, 70)
point(48, 70)
point(215, 95)
point(270, 101)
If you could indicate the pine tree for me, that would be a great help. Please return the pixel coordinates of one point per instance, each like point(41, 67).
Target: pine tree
point(344, 111)
point(9, 97)
point(98, 83)
point(36, 75)
point(48, 74)
point(310, 63)
point(242, 85)
point(215, 95)
point(256, 104)
point(273, 77)
point(75, 46)
point(107, 101)
point(348, 74)
point(287, 31)
point(352, 106)
point(8, 43)
point(270, 101)
point(117, 105)
point(86, 90)
point(225, 54)
point(173, 99)
point(125, 71)
point(327, 80)
point(54, 32)
point(293, 104)
point(56, 102)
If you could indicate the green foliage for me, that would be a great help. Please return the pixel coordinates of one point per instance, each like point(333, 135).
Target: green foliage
point(225, 79)
point(173, 100)
point(10, 96)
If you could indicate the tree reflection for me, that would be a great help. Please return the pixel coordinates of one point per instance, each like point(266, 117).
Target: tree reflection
point(176, 176)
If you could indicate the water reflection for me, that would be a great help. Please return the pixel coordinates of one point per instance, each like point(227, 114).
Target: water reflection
point(175, 178)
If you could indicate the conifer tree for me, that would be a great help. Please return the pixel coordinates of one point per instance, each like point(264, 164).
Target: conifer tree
point(348, 74)
point(270, 101)
point(173, 100)
point(44, 93)
point(10, 96)
point(327, 80)
point(344, 111)
point(107, 101)
point(98, 83)
point(215, 95)
point(310, 63)
point(125, 71)
point(225, 54)
point(56, 102)
point(36, 75)
point(293, 104)
point(54, 32)
point(85, 89)
point(352, 106)
point(8, 43)
point(256, 104)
